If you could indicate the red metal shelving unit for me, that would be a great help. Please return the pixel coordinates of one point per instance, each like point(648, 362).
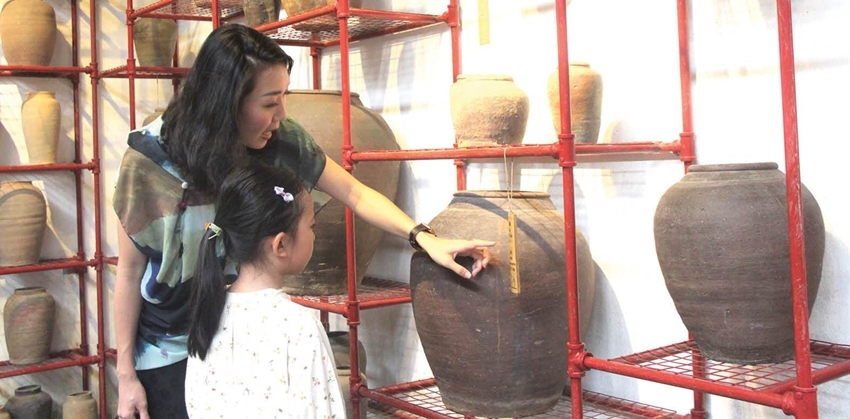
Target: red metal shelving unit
point(789, 386)
point(421, 399)
point(80, 262)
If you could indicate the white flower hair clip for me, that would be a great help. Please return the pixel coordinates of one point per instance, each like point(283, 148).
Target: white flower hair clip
point(287, 197)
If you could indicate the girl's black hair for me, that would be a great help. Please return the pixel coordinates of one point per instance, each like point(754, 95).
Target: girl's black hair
point(201, 122)
point(249, 211)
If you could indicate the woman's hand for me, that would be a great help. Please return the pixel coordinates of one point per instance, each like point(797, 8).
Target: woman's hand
point(444, 251)
point(132, 399)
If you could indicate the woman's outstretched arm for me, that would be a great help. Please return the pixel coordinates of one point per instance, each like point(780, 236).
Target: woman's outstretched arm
point(379, 211)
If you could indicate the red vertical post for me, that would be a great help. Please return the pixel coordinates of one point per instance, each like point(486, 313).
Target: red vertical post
point(686, 137)
point(805, 394)
point(454, 29)
point(353, 309)
point(131, 65)
point(98, 253)
point(687, 156)
point(567, 161)
point(316, 56)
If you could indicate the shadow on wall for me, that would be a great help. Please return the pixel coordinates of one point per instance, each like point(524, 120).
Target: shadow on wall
point(379, 66)
point(8, 151)
point(607, 336)
point(830, 311)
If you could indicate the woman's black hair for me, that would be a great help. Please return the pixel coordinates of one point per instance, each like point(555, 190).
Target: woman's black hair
point(201, 122)
point(249, 211)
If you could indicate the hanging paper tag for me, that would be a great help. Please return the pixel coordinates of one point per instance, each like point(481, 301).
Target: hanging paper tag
point(512, 250)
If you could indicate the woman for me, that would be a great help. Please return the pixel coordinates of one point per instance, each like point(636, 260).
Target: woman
point(230, 111)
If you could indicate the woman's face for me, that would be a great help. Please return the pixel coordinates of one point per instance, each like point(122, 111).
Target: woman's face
point(264, 107)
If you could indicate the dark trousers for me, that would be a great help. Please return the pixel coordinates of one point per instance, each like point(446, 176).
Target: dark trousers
point(166, 391)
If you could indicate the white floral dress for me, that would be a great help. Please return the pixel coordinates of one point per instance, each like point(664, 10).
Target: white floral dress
point(269, 359)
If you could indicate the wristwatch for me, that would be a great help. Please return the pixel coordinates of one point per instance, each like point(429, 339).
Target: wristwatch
point(416, 230)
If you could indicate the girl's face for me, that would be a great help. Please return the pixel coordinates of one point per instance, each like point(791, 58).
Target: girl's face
point(301, 246)
point(264, 107)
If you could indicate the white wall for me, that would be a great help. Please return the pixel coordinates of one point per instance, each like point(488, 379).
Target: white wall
point(737, 113)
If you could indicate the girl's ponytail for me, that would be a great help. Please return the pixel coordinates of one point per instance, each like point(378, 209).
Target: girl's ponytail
point(207, 296)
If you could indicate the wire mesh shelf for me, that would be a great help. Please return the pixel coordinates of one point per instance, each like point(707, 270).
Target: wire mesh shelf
point(323, 30)
point(595, 405)
point(371, 293)
point(679, 359)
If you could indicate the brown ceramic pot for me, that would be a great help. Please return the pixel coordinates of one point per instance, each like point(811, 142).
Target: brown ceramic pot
point(585, 102)
point(488, 109)
point(23, 217)
point(28, 317)
point(258, 12)
point(28, 32)
point(319, 111)
point(152, 117)
point(493, 352)
point(80, 405)
point(29, 402)
point(721, 234)
point(41, 118)
point(155, 41)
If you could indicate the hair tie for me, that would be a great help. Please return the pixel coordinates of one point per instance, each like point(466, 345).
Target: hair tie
point(215, 229)
point(287, 197)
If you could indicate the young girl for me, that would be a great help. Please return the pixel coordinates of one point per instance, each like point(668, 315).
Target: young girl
point(253, 352)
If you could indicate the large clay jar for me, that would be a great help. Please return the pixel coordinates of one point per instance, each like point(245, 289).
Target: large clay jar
point(29, 402)
point(319, 111)
point(155, 41)
point(585, 102)
point(28, 32)
point(258, 12)
point(152, 117)
point(23, 218)
point(488, 109)
point(41, 118)
point(341, 345)
point(494, 352)
point(721, 234)
point(28, 323)
point(80, 405)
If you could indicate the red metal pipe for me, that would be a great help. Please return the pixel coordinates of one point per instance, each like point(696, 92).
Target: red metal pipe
point(767, 399)
point(687, 156)
point(316, 55)
point(131, 63)
point(73, 359)
point(453, 20)
point(566, 159)
point(805, 393)
point(216, 14)
point(686, 137)
point(383, 395)
point(52, 167)
point(353, 313)
point(820, 376)
point(133, 14)
point(549, 150)
point(69, 263)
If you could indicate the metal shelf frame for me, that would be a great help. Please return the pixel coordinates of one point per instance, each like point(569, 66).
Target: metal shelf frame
point(788, 386)
point(80, 263)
